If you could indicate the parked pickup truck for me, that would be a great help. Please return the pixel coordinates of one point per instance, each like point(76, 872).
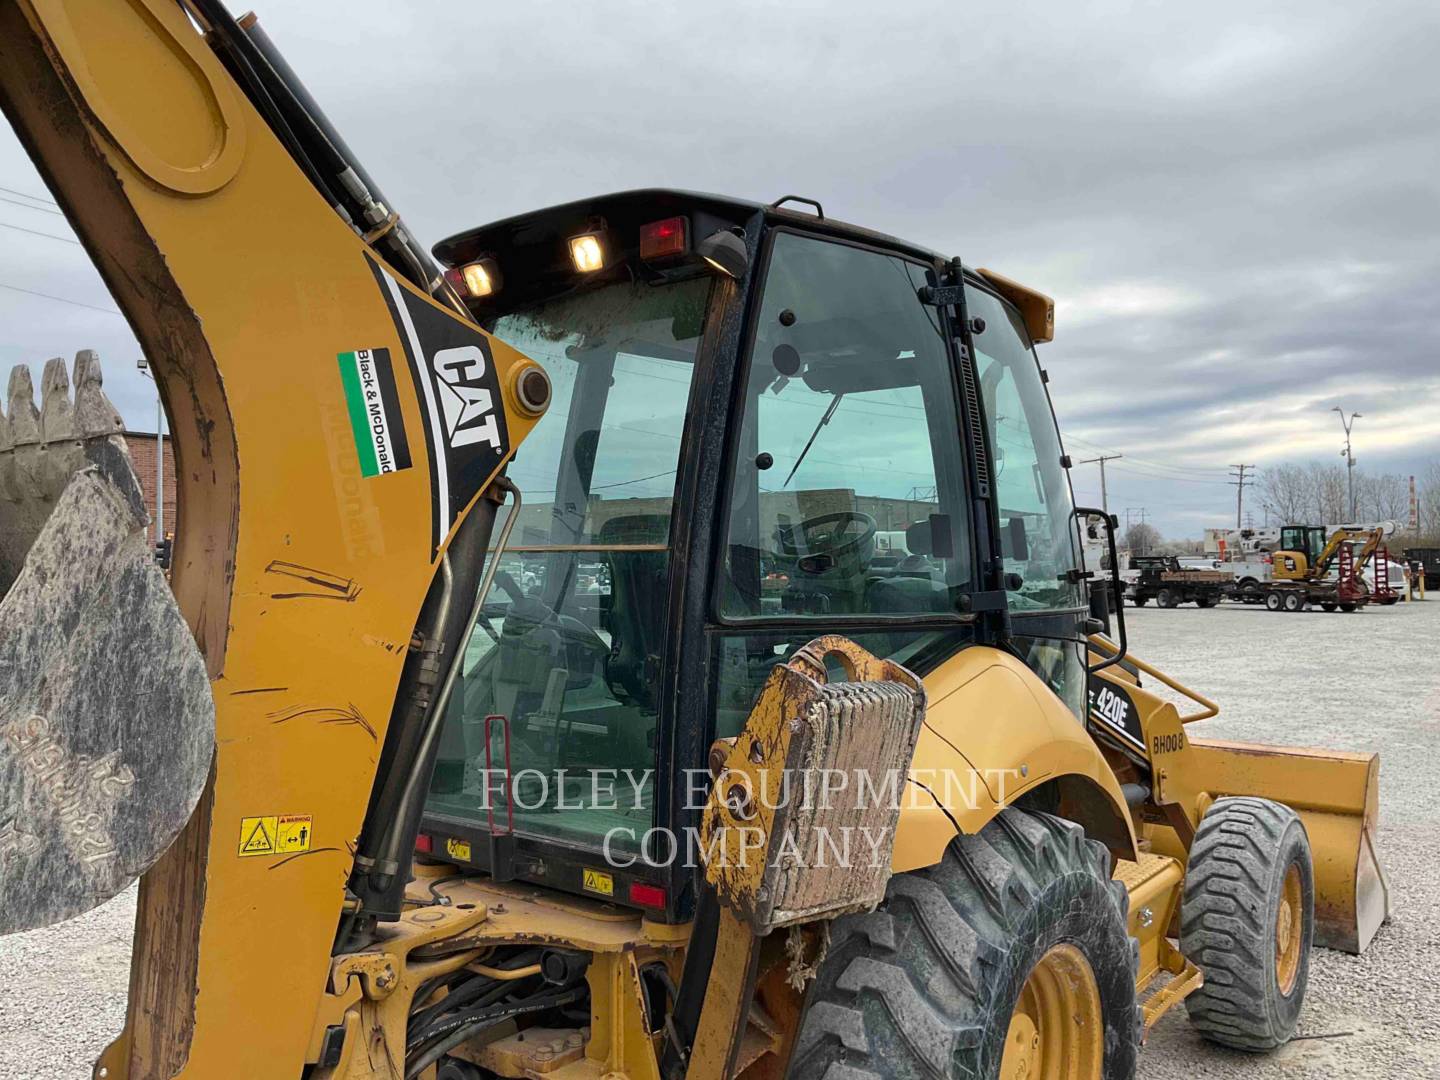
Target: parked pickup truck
point(1161, 578)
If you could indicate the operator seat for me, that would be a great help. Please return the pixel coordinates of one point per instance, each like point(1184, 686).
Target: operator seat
point(636, 617)
point(912, 585)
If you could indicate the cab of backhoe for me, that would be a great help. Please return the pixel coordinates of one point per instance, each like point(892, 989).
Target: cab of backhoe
point(764, 428)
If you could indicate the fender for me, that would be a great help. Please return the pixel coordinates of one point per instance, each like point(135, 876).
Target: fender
point(994, 732)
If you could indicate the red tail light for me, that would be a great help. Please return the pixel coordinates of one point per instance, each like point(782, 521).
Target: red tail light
point(647, 895)
point(663, 239)
point(424, 844)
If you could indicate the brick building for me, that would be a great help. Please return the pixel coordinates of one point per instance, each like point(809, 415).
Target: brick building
point(141, 445)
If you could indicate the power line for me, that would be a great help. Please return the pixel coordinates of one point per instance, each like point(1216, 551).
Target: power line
point(1207, 470)
point(1164, 476)
point(29, 206)
point(27, 195)
point(36, 232)
point(59, 299)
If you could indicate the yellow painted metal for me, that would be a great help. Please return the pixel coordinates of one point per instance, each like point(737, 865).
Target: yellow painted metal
point(1037, 309)
point(371, 994)
point(534, 1052)
point(1105, 648)
point(1336, 794)
point(794, 731)
point(1154, 883)
point(1055, 1031)
point(620, 1043)
point(992, 732)
point(243, 286)
point(1289, 931)
point(727, 999)
point(1179, 986)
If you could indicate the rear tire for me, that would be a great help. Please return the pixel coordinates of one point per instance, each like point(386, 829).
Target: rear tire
point(1348, 607)
point(1294, 602)
point(1327, 605)
point(1273, 600)
point(1167, 599)
point(1205, 602)
point(928, 984)
point(1247, 920)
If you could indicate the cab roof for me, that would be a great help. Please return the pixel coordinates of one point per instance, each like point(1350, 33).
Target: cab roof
point(643, 205)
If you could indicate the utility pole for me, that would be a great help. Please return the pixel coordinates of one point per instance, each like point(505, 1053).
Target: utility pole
point(143, 366)
point(1240, 480)
point(1104, 496)
point(1347, 455)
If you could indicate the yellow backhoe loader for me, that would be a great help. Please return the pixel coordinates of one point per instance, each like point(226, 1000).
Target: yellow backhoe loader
point(531, 696)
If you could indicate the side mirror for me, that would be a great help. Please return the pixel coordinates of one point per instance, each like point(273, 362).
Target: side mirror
point(1014, 541)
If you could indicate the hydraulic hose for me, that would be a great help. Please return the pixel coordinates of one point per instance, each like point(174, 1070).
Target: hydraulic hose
point(454, 1032)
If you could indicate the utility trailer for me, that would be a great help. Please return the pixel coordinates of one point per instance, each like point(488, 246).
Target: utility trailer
point(1163, 579)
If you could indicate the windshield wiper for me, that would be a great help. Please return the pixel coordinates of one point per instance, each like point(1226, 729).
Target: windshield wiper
point(811, 441)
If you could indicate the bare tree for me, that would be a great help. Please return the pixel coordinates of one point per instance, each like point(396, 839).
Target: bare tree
point(1382, 498)
point(1285, 490)
point(1429, 491)
point(1329, 495)
point(1142, 539)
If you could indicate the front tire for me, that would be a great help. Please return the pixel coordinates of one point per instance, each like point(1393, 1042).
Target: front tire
point(1167, 599)
point(1247, 920)
point(958, 968)
point(1273, 601)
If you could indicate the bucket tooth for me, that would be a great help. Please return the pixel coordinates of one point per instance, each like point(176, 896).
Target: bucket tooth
point(62, 454)
point(26, 504)
point(24, 416)
point(57, 411)
point(94, 415)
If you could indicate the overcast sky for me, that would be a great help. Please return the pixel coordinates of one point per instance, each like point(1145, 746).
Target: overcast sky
point(1235, 204)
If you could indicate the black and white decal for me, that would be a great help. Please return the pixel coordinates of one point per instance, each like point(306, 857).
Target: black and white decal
point(459, 389)
point(1112, 707)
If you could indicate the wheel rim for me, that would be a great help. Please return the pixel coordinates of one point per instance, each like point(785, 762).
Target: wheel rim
point(1289, 930)
point(1055, 1031)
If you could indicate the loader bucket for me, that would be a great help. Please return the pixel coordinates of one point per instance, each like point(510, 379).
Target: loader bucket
point(106, 720)
point(1336, 795)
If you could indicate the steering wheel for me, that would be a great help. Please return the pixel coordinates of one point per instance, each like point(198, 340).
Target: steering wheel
point(840, 533)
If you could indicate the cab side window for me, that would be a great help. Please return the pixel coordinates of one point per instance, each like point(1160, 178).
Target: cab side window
point(847, 489)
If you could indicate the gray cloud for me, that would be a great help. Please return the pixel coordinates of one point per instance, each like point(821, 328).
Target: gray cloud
point(1236, 208)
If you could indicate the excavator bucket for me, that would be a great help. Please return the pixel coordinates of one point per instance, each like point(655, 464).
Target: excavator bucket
point(106, 720)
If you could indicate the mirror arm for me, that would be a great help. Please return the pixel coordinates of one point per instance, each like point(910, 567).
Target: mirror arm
point(1117, 583)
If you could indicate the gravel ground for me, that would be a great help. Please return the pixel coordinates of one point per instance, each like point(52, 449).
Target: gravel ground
point(1356, 682)
point(1366, 681)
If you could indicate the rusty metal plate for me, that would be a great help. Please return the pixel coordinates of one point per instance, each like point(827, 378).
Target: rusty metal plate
point(107, 725)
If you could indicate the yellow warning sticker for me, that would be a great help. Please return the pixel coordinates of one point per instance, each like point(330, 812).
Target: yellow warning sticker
point(597, 881)
point(292, 833)
point(458, 849)
point(257, 835)
point(275, 834)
